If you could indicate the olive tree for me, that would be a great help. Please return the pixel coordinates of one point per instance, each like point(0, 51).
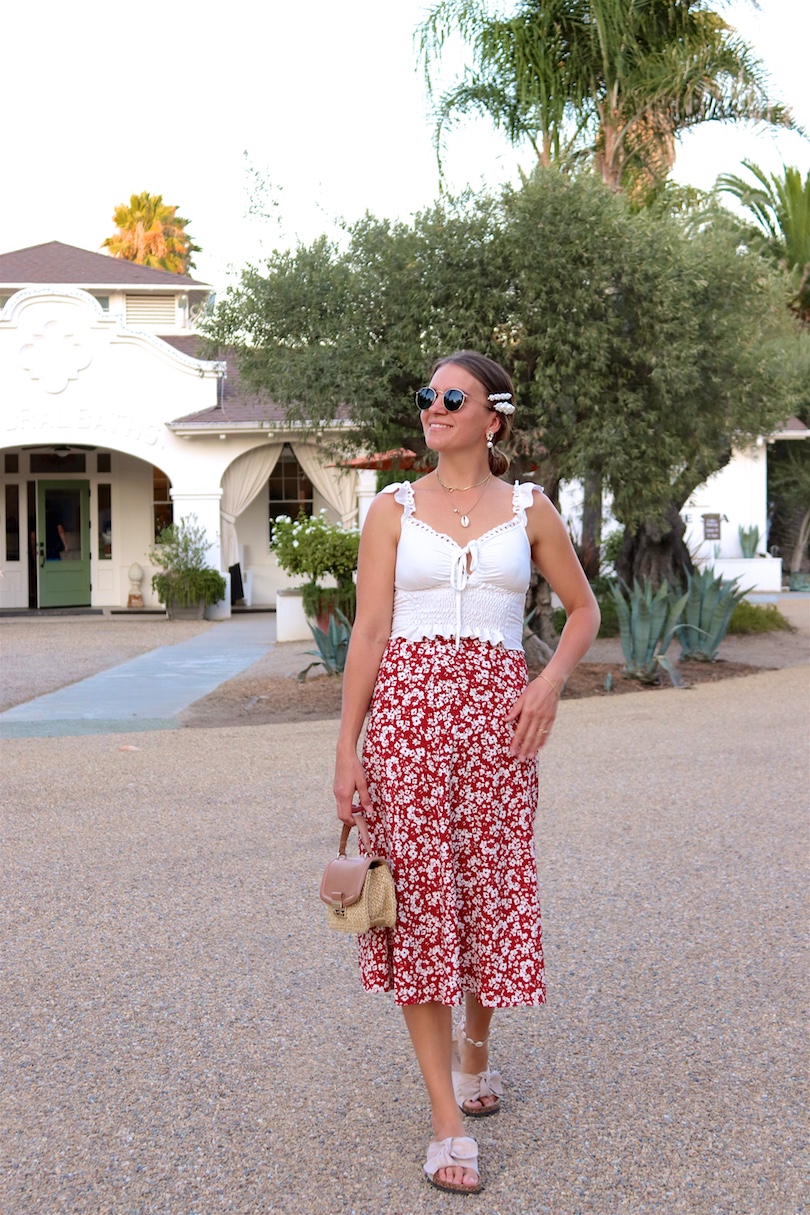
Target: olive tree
point(639, 348)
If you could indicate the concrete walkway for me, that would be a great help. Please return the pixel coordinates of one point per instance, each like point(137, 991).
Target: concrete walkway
point(147, 692)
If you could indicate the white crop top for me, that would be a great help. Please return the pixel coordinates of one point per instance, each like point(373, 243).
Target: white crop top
point(444, 590)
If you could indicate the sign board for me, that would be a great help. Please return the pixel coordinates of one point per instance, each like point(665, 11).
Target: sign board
point(711, 527)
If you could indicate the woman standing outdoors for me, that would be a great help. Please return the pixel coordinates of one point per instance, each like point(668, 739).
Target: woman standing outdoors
point(448, 776)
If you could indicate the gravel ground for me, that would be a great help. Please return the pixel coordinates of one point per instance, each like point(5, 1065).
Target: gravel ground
point(183, 1036)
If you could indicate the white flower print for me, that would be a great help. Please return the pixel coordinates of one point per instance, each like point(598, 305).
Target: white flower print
point(454, 813)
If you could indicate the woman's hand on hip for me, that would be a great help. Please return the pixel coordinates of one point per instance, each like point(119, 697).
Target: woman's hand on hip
point(350, 780)
point(533, 713)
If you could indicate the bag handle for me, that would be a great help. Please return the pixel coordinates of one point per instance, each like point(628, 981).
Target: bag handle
point(360, 824)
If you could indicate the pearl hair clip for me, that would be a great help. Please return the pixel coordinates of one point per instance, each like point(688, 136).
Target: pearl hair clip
point(500, 402)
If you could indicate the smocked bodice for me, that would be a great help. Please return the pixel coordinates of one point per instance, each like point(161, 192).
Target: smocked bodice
point(442, 589)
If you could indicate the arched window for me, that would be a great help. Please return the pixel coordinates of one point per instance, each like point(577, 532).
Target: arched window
point(162, 508)
point(289, 488)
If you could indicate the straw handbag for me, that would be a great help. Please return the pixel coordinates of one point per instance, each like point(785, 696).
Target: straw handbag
point(358, 890)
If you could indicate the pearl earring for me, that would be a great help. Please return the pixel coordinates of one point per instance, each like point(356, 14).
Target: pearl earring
point(490, 437)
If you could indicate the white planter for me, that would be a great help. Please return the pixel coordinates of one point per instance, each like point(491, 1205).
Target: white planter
point(754, 573)
point(291, 623)
point(221, 610)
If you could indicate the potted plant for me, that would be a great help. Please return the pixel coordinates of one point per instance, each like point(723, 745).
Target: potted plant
point(185, 584)
point(312, 547)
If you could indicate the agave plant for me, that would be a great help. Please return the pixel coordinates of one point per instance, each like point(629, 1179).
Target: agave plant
point(710, 602)
point(647, 623)
point(333, 644)
point(749, 540)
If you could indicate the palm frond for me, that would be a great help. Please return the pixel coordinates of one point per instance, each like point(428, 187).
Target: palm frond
point(627, 74)
point(780, 206)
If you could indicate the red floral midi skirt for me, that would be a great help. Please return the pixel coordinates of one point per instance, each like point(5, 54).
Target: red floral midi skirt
point(454, 813)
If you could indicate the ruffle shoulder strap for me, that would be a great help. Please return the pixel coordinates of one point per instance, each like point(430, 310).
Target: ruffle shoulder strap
point(403, 494)
point(522, 498)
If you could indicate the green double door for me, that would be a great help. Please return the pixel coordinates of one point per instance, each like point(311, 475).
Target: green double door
point(63, 543)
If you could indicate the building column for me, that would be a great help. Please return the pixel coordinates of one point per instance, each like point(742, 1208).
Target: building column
point(205, 508)
point(366, 492)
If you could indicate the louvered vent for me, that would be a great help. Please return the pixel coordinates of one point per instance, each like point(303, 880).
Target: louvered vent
point(151, 311)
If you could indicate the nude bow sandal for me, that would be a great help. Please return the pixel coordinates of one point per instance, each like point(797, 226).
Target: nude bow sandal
point(458, 1153)
point(474, 1086)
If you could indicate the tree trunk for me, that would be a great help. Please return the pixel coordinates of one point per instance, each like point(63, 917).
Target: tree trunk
point(608, 159)
point(538, 597)
point(590, 546)
point(656, 551)
point(799, 554)
point(538, 600)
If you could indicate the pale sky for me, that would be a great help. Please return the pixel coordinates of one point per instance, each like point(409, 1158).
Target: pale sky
point(103, 100)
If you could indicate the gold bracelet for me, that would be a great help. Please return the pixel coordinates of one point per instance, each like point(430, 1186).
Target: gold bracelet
point(540, 675)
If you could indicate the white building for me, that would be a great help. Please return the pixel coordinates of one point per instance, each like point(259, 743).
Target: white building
point(736, 500)
point(111, 427)
point(732, 500)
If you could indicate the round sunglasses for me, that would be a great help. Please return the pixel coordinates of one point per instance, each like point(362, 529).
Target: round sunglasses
point(453, 399)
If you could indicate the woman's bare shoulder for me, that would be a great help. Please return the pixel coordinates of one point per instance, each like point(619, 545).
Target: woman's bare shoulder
point(542, 517)
point(386, 509)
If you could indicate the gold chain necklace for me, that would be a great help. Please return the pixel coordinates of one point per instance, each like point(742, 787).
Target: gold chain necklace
point(465, 518)
point(461, 489)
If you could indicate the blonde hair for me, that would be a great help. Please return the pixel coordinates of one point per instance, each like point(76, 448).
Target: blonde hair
point(494, 379)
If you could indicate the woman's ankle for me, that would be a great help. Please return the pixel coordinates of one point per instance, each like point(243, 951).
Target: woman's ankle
point(447, 1119)
point(451, 1127)
point(474, 1059)
point(473, 1047)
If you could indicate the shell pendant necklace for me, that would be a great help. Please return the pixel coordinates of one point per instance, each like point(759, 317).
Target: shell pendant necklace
point(457, 489)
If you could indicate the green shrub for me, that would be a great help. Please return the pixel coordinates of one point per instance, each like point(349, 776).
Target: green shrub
point(312, 546)
point(611, 548)
point(321, 601)
point(180, 550)
point(609, 624)
point(757, 618)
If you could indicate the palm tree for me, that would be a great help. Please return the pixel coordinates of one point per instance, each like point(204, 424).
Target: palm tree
point(615, 80)
point(152, 233)
point(781, 209)
point(521, 80)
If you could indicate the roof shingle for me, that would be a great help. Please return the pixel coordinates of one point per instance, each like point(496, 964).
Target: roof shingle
point(238, 404)
point(68, 265)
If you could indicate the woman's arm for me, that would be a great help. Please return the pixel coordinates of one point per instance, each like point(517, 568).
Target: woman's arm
point(370, 633)
point(554, 556)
